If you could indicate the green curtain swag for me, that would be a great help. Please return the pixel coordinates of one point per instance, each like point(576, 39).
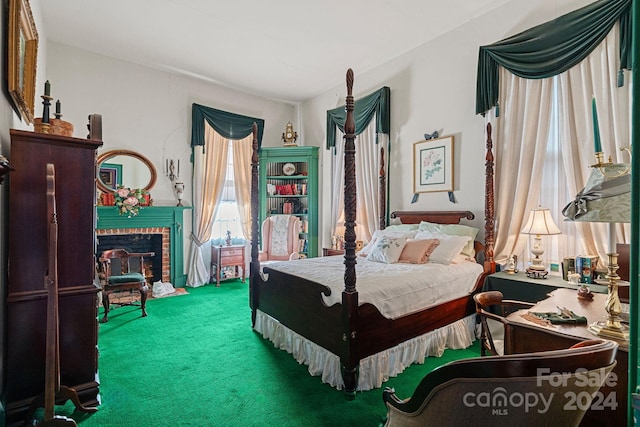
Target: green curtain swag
point(229, 125)
point(366, 107)
point(552, 48)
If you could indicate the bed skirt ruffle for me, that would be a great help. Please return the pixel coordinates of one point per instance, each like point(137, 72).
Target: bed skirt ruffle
point(373, 370)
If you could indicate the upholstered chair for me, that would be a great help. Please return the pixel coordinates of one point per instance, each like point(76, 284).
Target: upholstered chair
point(280, 238)
point(528, 389)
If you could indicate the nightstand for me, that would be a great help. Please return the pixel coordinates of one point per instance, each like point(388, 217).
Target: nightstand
point(226, 262)
point(517, 286)
point(331, 251)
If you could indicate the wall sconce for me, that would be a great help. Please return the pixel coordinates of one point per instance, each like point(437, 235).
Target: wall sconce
point(172, 169)
point(179, 187)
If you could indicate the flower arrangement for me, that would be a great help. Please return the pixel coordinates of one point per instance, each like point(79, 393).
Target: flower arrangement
point(128, 201)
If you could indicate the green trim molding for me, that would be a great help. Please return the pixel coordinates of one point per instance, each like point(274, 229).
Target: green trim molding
point(171, 217)
point(552, 48)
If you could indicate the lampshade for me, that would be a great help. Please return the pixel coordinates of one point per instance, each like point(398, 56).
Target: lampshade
point(605, 198)
point(540, 222)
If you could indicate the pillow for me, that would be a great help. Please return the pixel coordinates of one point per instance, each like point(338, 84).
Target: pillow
point(402, 227)
point(386, 232)
point(387, 249)
point(449, 247)
point(455, 230)
point(418, 251)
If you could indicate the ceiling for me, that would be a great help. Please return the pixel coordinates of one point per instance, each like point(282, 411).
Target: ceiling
point(288, 50)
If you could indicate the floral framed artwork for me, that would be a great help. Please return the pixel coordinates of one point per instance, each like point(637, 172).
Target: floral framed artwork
point(22, 57)
point(433, 165)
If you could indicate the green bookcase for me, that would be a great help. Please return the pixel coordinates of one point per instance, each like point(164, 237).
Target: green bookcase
point(289, 184)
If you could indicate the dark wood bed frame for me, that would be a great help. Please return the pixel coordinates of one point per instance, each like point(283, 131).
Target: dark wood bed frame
point(350, 330)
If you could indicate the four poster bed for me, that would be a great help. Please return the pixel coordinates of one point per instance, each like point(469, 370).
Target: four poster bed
point(339, 333)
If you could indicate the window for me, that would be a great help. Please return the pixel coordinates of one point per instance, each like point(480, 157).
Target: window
point(228, 217)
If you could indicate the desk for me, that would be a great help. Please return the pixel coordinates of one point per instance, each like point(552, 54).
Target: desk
point(518, 286)
point(526, 336)
point(227, 256)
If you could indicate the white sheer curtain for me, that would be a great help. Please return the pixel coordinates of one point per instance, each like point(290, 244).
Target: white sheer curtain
point(367, 181)
point(544, 145)
point(520, 141)
point(595, 76)
point(242, 151)
point(209, 170)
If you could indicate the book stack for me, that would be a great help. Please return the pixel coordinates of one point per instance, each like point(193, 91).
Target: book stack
point(586, 266)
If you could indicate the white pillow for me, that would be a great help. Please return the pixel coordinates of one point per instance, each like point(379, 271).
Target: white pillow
point(450, 246)
point(455, 230)
point(386, 232)
point(387, 249)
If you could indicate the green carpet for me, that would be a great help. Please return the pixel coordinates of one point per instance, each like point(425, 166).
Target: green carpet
point(195, 361)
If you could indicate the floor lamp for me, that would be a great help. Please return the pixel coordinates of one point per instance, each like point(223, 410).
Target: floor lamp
point(606, 198)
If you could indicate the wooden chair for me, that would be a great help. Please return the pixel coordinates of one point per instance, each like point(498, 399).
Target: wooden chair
point(492, 311)
point(528, 389)
point(123, 271)
point(280, 238)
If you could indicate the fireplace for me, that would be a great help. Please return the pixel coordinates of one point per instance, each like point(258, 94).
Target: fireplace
point(163, 222)
point(143, 240)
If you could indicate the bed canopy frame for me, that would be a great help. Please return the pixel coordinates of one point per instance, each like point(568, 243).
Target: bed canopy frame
point(349, 330)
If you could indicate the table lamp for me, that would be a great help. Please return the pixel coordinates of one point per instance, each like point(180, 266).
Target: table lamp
point(606, 198)
point(540, 223)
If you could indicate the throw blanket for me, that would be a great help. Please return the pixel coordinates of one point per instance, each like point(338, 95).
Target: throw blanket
point(279, 235)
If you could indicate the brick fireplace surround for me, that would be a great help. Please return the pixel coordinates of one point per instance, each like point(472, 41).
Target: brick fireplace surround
point(166, 243)
point(165, 220)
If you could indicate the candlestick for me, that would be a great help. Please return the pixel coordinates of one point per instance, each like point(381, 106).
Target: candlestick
point(47, 88)
point(596, 130)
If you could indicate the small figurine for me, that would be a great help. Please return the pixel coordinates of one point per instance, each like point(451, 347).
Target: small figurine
point(228, 239)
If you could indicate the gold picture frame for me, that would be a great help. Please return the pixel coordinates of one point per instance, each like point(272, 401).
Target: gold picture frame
point(23, 56)
point(433, 165)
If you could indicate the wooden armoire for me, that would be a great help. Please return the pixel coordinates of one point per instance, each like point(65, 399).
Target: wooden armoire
point(26, 307)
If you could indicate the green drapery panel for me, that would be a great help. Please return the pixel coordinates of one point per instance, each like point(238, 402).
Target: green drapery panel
point(376, 104)
point(229, 125)
point(552, 48)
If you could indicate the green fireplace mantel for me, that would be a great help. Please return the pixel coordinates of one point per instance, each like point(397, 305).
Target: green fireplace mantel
point(153, 216)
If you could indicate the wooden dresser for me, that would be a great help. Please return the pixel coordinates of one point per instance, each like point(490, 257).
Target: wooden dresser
point(75, 165)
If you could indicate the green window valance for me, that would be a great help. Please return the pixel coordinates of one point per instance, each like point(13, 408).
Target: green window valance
point(553, 47)
point(376, 104)
point(229, 125)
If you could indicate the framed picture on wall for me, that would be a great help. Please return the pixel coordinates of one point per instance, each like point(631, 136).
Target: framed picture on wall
point(111, 175)
point(433, 165)
point(22, 57)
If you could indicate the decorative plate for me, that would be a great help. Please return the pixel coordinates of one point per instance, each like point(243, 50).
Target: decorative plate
point(289, 169)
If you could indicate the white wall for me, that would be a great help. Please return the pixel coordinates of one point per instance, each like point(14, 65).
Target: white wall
point(433, 88)
point(147, 110)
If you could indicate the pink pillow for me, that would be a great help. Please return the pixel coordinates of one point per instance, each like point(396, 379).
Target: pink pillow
point(418, 251)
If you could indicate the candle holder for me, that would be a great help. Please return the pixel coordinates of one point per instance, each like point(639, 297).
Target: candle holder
point(602, 165)
point(179, 187)
point(172, 170)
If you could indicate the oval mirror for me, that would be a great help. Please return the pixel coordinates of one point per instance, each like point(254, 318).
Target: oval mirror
point(127, 168)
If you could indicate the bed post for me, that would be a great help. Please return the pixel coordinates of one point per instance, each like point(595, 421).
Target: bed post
point(489, 213)
point(383, 192)
point(254, 267)
point(350, 294)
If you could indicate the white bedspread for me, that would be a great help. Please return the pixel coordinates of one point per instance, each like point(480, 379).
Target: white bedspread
point(395, 289)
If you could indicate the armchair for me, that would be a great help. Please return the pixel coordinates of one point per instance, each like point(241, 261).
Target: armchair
point(123, 270)
point(528, 389)
point(280, 238)
point(492, 311)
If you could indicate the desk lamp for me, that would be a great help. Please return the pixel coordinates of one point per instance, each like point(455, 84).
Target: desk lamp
point(540, 223)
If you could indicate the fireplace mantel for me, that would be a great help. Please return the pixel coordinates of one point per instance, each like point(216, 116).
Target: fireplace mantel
point(170, 217)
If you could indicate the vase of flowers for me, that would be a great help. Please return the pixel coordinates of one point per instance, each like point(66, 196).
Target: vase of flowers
point(128, 200)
